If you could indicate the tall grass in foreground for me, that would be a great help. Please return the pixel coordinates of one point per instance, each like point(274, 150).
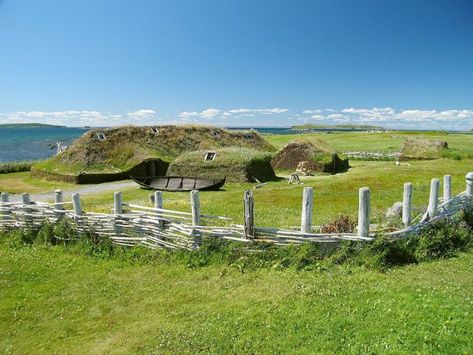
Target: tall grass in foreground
point(15, 167)
point(442, 239)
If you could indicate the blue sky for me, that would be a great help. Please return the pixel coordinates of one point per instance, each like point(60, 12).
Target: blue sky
point(397, 63)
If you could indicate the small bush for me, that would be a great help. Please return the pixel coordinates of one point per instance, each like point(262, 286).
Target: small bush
point(340, 224)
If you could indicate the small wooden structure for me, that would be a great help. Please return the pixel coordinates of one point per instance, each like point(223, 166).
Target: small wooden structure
point(178, 183)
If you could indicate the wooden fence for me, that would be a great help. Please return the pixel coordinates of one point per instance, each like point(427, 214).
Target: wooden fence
point(373, 155)
point(157, 227)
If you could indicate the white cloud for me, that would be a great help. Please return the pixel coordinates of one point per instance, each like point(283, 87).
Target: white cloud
point(264, 111)
point(143, 114)
point(409, 118)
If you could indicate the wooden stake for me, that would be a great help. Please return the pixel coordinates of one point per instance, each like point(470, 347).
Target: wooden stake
point(158, 203)
point(469, 184)
point(364, 212)
point(307, 207)
point(407, 204)
point(76, 204)
point(5, 198)
point(117, 203)
point(447, 188)
point(433, 198)
point(249, 214)
point(58, 199)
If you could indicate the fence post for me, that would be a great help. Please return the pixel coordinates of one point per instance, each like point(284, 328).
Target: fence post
point(26, 200)
point(5, 208)
point(364, 212)
point(307, 206)
point(195, 206)
point(117, 203)
point(158, 203)
point(58, 200)
point(407, 204)
point(469, 184)
point(117, 211)
point(433, 198)
point(447, 188)
point(249, 214)
point(76, 204)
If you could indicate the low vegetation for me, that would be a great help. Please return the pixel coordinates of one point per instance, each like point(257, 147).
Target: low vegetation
point(15, 167)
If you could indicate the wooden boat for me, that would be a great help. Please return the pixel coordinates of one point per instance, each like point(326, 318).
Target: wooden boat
point(178, 183)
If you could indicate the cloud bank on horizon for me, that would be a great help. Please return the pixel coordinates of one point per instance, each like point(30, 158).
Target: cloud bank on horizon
point(452, 119)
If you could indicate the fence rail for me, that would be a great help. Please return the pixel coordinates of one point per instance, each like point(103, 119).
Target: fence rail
point(158, 227)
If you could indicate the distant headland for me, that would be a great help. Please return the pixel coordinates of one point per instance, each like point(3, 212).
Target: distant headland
point(29, 125)
point(340, 127)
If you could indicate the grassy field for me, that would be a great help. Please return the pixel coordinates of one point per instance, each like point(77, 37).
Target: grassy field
point(54, 301)
point(60, 300)
point(461, 144)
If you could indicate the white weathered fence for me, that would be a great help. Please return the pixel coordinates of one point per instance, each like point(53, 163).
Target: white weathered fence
point(372, 155)
point(157, 227)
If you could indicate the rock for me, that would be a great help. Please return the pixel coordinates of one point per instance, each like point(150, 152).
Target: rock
point(395, 211)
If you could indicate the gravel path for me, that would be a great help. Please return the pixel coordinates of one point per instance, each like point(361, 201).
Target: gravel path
point(83, 190)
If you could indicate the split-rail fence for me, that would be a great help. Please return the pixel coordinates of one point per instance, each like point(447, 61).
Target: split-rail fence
point(156, 227)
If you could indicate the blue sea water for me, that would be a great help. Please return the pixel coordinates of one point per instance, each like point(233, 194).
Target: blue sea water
point(20, 144)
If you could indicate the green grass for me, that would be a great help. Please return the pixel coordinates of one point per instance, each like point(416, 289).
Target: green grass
point(55, 301)
point(17, 183)
point(460, 145)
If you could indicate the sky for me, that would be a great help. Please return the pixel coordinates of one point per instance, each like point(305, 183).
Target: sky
point(257, 63)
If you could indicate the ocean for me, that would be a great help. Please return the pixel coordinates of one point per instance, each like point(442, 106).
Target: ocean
point(25, 144)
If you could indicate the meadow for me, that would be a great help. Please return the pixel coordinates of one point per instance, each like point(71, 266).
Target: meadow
point(62, 299)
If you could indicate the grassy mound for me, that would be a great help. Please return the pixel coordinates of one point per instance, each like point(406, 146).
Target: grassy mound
point(423, 149)
point(319, 156)
point(122, 148)
point(236, 164)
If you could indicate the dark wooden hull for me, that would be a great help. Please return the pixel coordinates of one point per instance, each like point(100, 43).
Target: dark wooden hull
point(178, 183)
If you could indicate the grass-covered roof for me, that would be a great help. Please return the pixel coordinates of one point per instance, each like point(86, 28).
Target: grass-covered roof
point(121, 148)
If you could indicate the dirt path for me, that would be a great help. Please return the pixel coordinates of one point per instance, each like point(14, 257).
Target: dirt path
point(83, 190)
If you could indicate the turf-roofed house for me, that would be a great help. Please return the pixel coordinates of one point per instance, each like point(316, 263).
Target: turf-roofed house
point(314, 156)
point(111, 154)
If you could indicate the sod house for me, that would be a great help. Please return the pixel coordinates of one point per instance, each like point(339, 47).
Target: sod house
point(116, 153)
point(317, 157)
